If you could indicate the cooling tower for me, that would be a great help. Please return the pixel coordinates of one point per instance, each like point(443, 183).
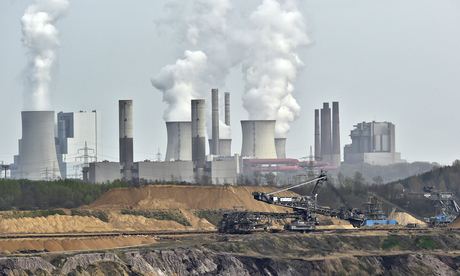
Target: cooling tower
point(335, 134)
point(199, 133)
point(179, 141)
point(280, 145)
point(258, 139)
point(227, 108)
point(225, 146)
point(317, 137)
point(37, 148)
point(215, 122)
point(125, 120)
point(326, 139)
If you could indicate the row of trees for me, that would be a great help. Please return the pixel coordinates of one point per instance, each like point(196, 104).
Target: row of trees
point(30, 195)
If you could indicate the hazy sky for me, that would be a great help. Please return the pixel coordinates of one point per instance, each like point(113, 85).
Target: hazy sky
point(391, 60)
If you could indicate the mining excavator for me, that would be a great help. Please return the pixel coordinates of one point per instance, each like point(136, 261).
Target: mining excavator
point(446, 207)
point(302, 218)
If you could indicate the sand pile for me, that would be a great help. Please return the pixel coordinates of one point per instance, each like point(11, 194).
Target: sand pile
point(53, 245)
point(185, 197)
point(404, 218)
point(455, 223)
point(54, 224)
point(117, 222)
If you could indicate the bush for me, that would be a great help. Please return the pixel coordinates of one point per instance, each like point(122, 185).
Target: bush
point(101, 215)
point(213, 216)
point(34, 214)
point(174, 215)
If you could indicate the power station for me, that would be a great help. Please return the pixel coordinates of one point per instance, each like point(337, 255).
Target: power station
point(66, 147)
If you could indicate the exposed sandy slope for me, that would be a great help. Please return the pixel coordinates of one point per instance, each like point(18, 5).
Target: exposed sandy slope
point(53, 224)
point(57, 244)
point(455, 223)
point(404, 218)
point(185, 197)
point(117, 222)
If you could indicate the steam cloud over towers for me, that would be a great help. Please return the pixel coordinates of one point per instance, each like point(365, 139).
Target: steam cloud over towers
point(266, 48)
point(41, 37)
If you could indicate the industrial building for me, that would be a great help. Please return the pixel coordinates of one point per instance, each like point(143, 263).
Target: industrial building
point(372, 143)
point(327, 135)
point(77, 141)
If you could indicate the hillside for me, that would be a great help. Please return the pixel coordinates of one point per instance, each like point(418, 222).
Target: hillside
point(185, 197)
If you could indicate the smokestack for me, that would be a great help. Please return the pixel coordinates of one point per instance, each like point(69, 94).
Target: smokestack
point(317, 137)
point(199, 133)
point(37, 148)
point(336, 133)
point(179, 141)
point(280, 145)
point(258, 139)
point(215, 122)
point(326, 143)
point(125, 112)
point(227, 108)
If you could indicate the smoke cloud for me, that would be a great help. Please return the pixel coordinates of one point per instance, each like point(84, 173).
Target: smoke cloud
point(180, 83)
point(272, 64)
point(265, 45)
point(41, 37)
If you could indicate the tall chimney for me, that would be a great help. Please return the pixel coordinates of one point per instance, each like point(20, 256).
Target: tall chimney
point(317, 137)
point(125, 112)
point(215, 122)
point(198, 133)
point(227, 108)
point(326, 139)
point(336, 133)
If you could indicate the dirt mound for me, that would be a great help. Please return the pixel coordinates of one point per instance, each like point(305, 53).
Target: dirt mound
point(185, 197)
point(404, 218)
point(54, 224)
point(53, 245)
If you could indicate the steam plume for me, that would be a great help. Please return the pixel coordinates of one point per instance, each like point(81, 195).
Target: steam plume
point(180, 83)
point(273, 62)
point(41, 38)
point(205, 28)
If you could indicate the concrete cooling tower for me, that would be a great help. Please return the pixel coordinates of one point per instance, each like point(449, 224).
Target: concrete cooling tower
point(37, 148)
point(258, 139)
point(179, 141)
point(280, 145)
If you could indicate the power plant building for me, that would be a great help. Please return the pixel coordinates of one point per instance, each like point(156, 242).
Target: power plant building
point(372, 143)
point(77, 139)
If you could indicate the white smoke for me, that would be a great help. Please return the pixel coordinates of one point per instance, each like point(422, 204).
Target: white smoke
point(180, 83)
point(272, 64)
point(204, 24)
point(41, 38)
point(265, 45)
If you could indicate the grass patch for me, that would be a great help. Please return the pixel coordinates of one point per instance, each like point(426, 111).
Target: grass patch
point(33, 214)
point(174, 215)
point(425, 243)
point(213, 216)
point(101, 215)
point(390, 242)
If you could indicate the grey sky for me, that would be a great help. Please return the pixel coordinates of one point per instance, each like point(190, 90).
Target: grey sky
point(383, 60)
